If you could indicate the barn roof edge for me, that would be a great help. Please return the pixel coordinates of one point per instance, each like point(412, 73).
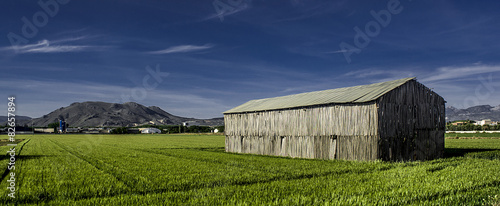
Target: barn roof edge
point(354, 94)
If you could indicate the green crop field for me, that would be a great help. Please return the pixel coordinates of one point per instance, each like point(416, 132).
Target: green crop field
point(195, 170)
point(473, 135)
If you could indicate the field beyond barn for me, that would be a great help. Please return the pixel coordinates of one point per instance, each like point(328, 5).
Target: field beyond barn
point(194, 169)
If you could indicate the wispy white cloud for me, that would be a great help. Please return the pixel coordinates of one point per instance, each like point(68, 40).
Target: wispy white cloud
point(438, 74)
point(461, 86)
point(182, 49)
point(380, 75)
point(340, 51)
point(46, 46)
point(222, 9)
point(448, 73)
point(70, 39)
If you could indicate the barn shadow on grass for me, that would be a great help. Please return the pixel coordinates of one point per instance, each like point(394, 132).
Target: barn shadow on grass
point(24, 157)
point(459, 152)
point(208, 149)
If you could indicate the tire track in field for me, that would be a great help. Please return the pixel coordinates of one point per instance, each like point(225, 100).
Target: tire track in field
point(18, 157)
point(81, 157)
point(198, 159)
point(437, 195)
point(184, 187)
point(284, 177)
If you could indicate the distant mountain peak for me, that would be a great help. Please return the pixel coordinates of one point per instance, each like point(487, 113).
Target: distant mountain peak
point(497, 108)
point(95, 113)
point(478, 112)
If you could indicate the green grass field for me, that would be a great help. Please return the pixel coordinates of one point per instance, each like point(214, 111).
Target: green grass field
point(195, 170)
point(473, 135)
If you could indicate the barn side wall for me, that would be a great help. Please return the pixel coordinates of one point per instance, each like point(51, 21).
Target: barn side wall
point(411, 123)
point(342, 131)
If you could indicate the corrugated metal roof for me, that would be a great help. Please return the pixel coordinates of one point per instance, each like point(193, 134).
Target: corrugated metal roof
point(356, 94)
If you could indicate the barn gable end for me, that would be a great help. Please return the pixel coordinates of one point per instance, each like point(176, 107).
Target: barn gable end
point(411, 123)
point(354, 123)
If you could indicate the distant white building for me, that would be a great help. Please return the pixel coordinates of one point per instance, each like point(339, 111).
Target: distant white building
point(151, 131)
point(73, 130)
point(44, 130)
point(484, 122)
point(190, 123)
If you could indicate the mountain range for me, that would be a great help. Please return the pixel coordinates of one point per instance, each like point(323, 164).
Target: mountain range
point(103, 114)
point(473, 113)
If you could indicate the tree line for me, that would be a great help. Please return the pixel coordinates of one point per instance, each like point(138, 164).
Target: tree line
point(171, 129)
point(469, 126)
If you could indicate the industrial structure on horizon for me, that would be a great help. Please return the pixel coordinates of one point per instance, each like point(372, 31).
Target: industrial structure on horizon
point(62, 126)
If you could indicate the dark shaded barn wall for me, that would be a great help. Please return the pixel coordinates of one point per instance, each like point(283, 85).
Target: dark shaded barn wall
point(411, 123)
point(341, 131)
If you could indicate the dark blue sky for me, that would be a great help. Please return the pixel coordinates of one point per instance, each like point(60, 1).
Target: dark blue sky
point(200, 58)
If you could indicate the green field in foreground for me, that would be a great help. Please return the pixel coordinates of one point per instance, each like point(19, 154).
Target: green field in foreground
point(476, 134)
point(195, 170)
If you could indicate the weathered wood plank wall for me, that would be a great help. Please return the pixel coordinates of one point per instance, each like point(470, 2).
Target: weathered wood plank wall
point(411, 123)
point(342, 131)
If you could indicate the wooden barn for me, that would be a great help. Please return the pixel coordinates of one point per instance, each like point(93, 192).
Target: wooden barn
point(398, 120)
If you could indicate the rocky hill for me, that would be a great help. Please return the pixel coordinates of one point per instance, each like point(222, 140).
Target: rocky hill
point(102, 114)
point(22, 119)
point(473, 113)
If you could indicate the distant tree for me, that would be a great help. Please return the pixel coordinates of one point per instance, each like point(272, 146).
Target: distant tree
point(148, 125)
point(469, 127)
point(183, 129)
point(53, 125)
point(172, 128)
point(198, 129)
point(452, 128)
point(119, 130)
